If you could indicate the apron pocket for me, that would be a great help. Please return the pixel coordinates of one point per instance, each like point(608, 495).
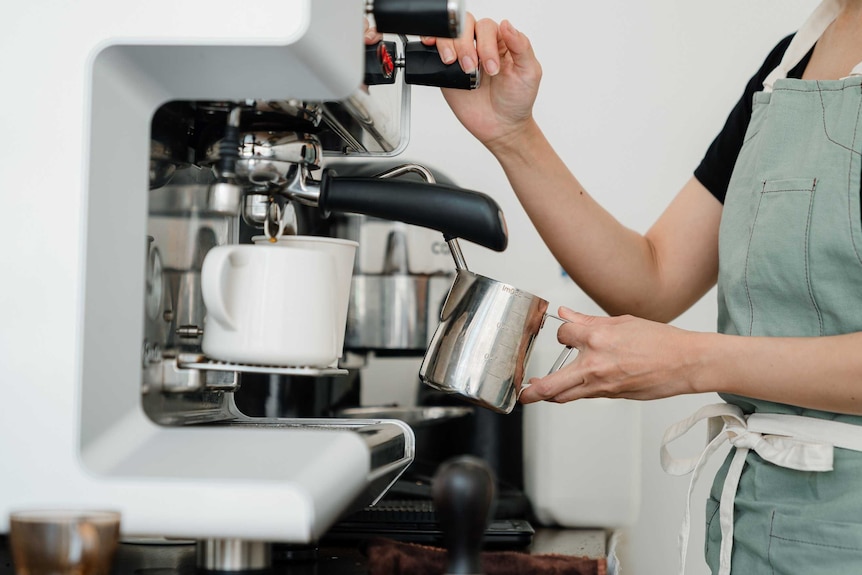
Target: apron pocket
point(805, 545)
point(777, 282)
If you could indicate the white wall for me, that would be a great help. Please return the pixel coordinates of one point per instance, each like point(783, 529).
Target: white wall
point(632, 95)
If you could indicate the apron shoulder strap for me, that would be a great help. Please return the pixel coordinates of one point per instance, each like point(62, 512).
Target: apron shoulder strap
point(805, 39)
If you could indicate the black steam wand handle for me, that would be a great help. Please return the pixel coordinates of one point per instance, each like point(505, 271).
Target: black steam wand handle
point(453, 211)
point(464, 495)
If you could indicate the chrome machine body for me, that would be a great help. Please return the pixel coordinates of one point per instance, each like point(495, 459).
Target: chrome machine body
point(108, 401)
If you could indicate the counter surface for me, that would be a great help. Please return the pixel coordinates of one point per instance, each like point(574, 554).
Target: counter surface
point(179, 559)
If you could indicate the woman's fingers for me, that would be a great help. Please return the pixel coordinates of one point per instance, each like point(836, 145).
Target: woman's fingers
point(372, 36)
point(465, 45)
point(520, 49)
point(479, 42)
point(489, 45)
point(548, 388)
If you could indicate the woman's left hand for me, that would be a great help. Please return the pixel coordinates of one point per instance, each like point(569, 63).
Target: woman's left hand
point(620, 357)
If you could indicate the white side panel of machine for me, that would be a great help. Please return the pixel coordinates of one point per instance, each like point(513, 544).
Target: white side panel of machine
point(82, 82)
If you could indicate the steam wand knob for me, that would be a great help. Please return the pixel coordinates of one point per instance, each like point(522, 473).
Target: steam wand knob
point(419, 17)
point(464, 495)
point(421, 64)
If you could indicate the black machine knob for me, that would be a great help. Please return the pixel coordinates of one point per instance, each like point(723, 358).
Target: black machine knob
point(441, 18)
point(380, 64)
point(464, 495)
point(422, 66)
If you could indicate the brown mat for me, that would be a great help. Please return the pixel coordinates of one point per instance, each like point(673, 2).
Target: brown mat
point(388, 557)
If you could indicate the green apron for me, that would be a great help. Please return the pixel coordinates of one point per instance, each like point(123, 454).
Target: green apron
point(785, 500)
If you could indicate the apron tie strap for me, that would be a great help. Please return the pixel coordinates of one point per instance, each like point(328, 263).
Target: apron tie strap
point(793, 442)
point(805, 38)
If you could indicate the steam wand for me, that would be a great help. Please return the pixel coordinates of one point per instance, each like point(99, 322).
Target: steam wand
point(425, 173)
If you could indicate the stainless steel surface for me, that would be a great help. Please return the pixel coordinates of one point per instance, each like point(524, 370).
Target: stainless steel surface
point(307, 111)
point(409, 169)
point(189, 331)
point(190, 199)
point(392, 306)
point(390, 442)
point(457, 254)
point(203, 364)
point(456, 9)
point(412, 416)
point(165, 376)
point(258, 207)
point(224, 198)
point(379, 121)
point(166, 373)
point(366, 123)
point(233, 555)
point(300, 109)
point(266, 157)
point(393, 312)
point(481, 346)
point(301, 187)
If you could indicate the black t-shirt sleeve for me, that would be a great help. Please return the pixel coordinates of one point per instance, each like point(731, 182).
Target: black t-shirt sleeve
point(717, 165)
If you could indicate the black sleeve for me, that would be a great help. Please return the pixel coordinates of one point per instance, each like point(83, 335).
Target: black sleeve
point(717, 165)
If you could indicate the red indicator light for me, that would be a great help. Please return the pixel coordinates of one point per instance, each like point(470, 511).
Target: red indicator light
point(387, 65)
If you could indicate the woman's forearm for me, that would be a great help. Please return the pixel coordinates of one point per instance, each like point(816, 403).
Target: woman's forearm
point(624, 271)
point(816, 372)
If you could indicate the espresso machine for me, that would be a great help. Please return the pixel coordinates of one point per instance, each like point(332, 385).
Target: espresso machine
point(176, 128)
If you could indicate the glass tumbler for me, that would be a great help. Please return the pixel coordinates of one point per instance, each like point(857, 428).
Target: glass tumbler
point(52, 542)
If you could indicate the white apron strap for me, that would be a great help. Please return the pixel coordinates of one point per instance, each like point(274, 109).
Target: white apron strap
point(793, 442)
point(804, 39)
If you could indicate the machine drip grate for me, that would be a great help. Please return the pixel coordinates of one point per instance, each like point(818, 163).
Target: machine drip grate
point(415, 520)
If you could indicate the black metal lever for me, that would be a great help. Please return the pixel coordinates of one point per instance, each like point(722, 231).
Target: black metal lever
point(422, 66)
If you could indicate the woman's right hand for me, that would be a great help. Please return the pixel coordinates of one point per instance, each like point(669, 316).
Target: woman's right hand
point(502, 106)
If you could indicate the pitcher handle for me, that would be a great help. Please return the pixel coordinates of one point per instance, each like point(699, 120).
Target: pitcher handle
point(567, 351)
point(561, 359)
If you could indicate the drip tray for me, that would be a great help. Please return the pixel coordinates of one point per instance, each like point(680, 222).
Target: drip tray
point(415, 521)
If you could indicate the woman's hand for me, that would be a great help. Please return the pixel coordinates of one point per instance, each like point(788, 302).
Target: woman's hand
point(502, 106)
point(372, 36)
point(620, 357)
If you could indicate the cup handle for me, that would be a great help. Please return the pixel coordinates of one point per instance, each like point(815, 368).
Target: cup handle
point(214, 278)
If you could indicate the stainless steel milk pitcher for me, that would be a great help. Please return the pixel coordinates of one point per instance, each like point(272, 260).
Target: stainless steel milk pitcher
point(483, 342)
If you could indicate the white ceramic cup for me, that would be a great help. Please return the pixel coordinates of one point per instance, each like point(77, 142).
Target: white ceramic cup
point(270, 306)
point(344, 252)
